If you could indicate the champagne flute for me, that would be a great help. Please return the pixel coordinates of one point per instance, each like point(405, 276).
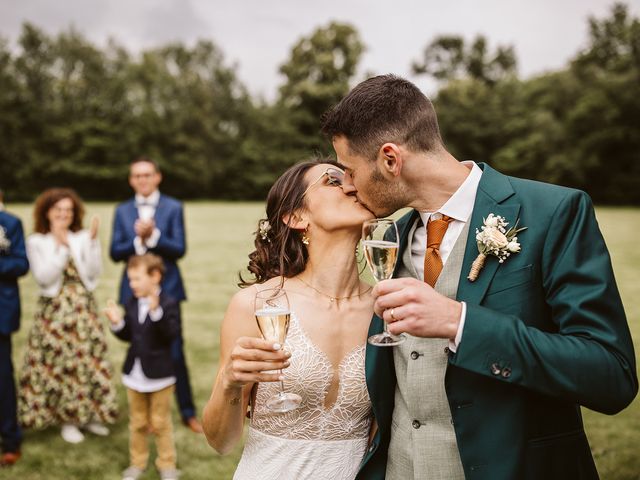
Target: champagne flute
point(273, 316)
point(380, 244)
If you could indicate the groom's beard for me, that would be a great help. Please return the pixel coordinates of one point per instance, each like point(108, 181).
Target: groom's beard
point(386, 197)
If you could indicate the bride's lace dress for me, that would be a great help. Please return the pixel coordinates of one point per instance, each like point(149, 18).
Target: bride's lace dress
point(313, 441)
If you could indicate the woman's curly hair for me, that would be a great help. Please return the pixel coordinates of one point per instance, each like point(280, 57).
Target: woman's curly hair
point(45, 202)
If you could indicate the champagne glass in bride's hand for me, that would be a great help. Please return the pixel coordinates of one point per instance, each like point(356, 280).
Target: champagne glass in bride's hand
point(273, 316)
point(380, 243)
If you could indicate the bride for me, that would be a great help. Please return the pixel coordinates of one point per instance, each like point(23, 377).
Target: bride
point(306, 247)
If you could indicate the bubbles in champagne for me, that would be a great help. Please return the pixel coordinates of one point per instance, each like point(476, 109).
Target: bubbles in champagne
point(381, 256)
point(273, 323)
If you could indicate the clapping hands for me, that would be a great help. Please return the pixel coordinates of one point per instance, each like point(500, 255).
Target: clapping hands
point(93, 229)
point(144, 228)
point(113, 312)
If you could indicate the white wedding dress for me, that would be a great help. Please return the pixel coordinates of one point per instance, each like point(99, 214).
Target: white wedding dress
point(311, 442)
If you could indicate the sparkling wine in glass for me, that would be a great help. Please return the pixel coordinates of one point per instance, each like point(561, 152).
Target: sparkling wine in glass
point(273, 315)
point(380, 243)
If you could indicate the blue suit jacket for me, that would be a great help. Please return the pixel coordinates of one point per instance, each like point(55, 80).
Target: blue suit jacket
point(13, 264)
point(171, 246)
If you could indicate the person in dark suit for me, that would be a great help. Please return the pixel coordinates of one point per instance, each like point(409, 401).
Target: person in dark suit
point(503, 348)
point(153, 222)
point(150, 324)
point(13, 264)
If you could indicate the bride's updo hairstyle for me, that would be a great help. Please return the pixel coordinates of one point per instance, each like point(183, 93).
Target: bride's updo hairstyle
point(279, 248)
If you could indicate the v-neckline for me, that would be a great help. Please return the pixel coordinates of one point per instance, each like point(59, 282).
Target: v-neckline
point(325, 358)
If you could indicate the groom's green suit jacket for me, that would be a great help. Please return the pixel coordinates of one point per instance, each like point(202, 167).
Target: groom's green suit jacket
point(545, 333)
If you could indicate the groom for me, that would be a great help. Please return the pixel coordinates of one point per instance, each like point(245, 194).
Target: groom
point(490, 381)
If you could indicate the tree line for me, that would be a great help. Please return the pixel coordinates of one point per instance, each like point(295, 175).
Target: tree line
point(74, 114)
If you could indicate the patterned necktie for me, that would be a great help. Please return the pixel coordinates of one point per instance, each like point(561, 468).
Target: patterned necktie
point(432, 261)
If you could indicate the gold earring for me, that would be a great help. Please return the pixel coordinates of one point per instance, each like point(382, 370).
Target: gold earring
point(305, 238)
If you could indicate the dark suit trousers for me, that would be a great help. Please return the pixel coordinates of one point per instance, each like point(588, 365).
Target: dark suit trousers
point(183, 385)
point(9, 430)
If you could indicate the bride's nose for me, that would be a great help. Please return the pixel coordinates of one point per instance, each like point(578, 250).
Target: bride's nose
point(348, 188)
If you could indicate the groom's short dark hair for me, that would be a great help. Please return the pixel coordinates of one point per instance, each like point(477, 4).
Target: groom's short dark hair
point(386, 108)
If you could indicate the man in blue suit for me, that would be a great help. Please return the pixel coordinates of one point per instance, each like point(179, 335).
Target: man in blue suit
point(152, 222)
point(13, 264)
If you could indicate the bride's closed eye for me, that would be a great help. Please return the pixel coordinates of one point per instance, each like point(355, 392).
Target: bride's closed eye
point(333, 181)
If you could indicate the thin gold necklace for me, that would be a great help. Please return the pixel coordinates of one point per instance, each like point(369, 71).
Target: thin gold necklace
point(333, 299)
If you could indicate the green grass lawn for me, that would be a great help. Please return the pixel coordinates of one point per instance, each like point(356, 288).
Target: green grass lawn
point(219, 239)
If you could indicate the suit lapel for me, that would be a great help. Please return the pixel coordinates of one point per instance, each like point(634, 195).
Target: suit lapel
point(160, 215)
point(404, 228)
point(493, 190)
point(131, 212)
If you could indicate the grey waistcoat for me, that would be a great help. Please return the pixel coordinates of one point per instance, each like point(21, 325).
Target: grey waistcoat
point(423, 442)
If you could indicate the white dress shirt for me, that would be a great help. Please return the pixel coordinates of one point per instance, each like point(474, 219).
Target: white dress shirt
point(146, 211)
point(459, 207)
point(136, 379)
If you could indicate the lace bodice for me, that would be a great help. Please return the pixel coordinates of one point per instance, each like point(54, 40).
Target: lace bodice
point(310, 376)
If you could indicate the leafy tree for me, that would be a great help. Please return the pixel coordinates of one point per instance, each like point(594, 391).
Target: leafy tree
point(576, 127)
point(447, 57)
point(318, 74)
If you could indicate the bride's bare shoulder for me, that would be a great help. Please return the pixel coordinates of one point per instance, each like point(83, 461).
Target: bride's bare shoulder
point(243, 299)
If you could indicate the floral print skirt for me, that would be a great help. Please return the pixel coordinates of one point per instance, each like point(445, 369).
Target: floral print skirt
point(66, 377)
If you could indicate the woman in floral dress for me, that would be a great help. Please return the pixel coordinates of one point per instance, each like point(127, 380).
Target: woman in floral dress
point(66, 379)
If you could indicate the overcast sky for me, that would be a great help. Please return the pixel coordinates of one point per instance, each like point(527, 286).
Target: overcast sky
point(257, 35)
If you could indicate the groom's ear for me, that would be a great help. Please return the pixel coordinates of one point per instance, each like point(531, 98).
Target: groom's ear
point(390, 159)
point(295, 221)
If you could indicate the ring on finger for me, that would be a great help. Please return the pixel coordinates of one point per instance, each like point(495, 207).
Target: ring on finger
point(393, 317)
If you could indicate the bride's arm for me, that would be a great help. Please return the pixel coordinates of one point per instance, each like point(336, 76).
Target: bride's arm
point(243, 356)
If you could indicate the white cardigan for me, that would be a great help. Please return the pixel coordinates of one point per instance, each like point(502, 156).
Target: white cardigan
point(48, 260)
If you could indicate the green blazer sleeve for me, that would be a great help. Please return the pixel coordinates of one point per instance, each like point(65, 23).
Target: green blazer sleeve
point(584, 355)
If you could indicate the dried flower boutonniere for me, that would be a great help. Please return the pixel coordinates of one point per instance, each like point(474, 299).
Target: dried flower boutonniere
point(494, 239)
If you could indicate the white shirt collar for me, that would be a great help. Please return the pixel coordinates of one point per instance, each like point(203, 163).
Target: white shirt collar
point(460, 204)
point(152, 199)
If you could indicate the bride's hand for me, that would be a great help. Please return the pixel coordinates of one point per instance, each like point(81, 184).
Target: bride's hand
point(251, 359)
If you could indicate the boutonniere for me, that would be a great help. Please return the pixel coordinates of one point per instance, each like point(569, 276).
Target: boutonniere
point(5, 243)
point(494, 239)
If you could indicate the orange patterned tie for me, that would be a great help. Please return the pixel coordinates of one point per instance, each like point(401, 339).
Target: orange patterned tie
point(432, 261)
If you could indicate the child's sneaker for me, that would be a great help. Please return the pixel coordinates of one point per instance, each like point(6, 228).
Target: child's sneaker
point(132, 473)
point(171, 474)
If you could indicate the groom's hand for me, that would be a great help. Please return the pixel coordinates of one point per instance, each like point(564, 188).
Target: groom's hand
point(411, 306)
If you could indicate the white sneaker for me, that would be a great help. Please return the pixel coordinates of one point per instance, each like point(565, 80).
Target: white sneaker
point(169, 474)
point(132, 473)
point(71, 433)
point(97, 429)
